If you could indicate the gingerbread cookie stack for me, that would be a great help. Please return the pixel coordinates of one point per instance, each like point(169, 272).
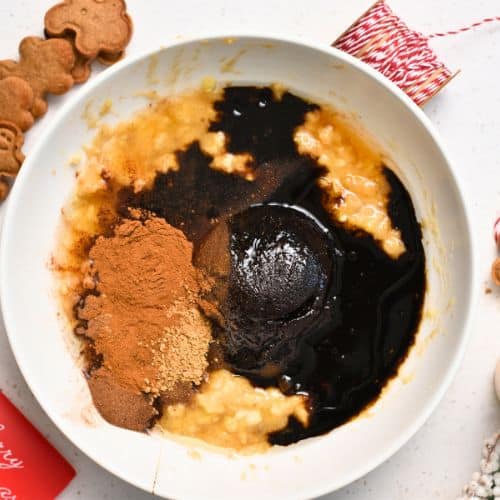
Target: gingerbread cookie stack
point(77, 32)
point(96, 30)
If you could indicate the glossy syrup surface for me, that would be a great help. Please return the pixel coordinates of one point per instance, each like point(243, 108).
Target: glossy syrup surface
point(332, 316)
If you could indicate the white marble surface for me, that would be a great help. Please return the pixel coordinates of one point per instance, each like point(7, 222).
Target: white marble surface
point(441, 457)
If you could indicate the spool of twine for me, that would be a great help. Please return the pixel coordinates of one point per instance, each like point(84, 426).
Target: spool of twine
point(382, 40)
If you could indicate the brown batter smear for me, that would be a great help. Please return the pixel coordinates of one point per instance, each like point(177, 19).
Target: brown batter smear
point(142, 321)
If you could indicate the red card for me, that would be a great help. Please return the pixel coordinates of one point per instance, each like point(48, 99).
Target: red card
point(30, 467)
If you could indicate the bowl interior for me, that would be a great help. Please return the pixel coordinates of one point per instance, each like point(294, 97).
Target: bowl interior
point(169, 467)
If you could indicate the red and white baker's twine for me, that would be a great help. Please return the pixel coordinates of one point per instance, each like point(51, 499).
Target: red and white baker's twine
point(486, 20)
point(384, 41)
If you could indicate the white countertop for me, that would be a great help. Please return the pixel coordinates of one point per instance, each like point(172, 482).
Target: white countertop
point(440, 458)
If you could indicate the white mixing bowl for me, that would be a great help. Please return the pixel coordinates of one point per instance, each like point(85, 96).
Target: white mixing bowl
point(166, 466)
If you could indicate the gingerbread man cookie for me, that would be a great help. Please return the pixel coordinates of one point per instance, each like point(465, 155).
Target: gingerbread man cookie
point(11, 156)
point(81, 69)
point(108, 59)
point(4, 187)
point(100, 26)
point(16, 100)
point(46, 65)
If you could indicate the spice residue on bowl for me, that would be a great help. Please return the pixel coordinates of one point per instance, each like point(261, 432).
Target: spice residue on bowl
point(242, 268)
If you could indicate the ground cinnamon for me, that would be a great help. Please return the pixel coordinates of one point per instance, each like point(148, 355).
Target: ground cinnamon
point(142, 320)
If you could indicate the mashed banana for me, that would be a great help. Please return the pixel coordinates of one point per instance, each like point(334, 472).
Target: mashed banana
point(359, 190)
point(229, 412)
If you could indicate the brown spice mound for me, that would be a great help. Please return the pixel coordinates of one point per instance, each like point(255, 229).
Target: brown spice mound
point(143, 321)
point(119, 405)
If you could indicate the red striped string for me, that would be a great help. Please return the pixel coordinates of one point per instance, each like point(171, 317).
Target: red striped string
point(382, 40)
point(477, 24)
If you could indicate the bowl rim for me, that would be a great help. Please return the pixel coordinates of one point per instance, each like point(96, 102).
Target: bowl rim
point(418, 114)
